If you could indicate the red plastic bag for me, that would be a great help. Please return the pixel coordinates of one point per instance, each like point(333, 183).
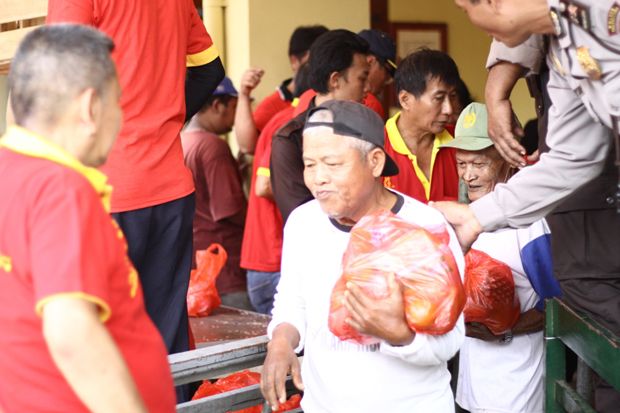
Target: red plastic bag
point(202, 295)
point(382, 243)
point(490, 290)
point(237, 381)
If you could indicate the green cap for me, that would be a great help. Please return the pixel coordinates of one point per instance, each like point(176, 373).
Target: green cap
point(471, 132)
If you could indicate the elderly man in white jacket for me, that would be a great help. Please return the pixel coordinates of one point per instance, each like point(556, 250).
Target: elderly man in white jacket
point(405, 372)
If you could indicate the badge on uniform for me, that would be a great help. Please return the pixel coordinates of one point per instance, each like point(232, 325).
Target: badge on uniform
point(578, 15)
point(612, 19)
point(588, 63)
point(555, 19)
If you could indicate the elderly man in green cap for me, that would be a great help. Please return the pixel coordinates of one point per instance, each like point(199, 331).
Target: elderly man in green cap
point(501, 372)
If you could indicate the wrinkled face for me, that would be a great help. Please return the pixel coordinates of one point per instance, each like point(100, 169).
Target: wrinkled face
point(499, 19)
point(353, 82)
point(378, 75)
point(108, 118)
point(481, 170)
point(430, 112)
point(338, 176)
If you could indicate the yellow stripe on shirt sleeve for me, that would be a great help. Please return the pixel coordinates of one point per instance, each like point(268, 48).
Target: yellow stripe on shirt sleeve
point(104, 309)
point(262, 171)
point(202, 58)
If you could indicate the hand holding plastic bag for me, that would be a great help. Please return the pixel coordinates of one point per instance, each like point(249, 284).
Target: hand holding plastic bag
point(202, 295)
point(490, 290)
point(382, 243)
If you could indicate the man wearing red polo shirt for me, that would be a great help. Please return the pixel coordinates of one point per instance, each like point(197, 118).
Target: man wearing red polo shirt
point(153, 199)
point(75, 333)
point(426, 83)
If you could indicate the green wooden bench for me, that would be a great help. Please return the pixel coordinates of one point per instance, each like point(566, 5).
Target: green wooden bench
point(597, 348)
point(217, 360)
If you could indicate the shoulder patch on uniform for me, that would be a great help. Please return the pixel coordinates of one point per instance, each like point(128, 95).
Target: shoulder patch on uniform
point(612, 19)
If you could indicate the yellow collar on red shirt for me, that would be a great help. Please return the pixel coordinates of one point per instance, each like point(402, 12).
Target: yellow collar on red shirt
point(398, 144)
point(28, 143)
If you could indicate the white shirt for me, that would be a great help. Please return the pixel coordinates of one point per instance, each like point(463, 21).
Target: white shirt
point(345, 377)
point(498, 377)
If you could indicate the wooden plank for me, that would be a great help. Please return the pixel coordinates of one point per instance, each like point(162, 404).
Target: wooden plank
point(597, 346)
point(570, 400)
point(13, 10)
point(9, 42)
point(213, 361)
point(228, 324)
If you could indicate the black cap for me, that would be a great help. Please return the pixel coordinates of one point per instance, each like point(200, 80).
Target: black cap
point(382, 46)
point(358, 121)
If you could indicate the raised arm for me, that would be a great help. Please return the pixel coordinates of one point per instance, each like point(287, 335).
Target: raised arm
point(245, 129)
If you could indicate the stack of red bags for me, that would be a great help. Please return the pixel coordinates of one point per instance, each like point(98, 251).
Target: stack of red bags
point(237, 381)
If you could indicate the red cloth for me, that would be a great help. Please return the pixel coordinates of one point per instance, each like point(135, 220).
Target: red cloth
point(220, 203)
point(262, 238)
point(152, 40)
point(373, 103)
point(268, 108)
point(444, 183)
point(56, 239)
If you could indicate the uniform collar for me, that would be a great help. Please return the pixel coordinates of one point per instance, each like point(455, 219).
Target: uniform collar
point(398, 143)
point(25, 142)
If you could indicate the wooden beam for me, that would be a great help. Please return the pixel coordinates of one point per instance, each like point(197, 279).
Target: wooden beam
point(8, 45)
point(14, 10)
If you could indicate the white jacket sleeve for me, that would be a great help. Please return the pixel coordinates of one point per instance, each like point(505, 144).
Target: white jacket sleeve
point(289, 306)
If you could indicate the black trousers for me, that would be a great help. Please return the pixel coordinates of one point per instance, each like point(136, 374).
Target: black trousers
point(160, 247)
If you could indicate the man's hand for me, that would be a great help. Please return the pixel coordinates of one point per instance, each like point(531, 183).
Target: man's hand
point(480, 331)
point(281, 359)
point(384, 318)
point(250, 80)
point(504, 128)
point(462, 219)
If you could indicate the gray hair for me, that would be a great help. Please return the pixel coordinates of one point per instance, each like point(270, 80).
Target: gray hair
point(53, 65)
point(363, 147)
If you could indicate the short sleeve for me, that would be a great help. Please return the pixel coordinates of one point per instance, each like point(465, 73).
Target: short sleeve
point(73, 243)
point(529, 54)
point(71, 11)
point(263, 163)
point(200, 47)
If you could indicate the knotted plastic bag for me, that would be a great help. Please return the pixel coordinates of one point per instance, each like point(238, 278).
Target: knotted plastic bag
point(382, 243)
point(490, 290)
point(202, 295)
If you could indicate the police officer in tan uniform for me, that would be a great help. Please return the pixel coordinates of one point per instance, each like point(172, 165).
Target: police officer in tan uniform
point(585, 226)
point(576, 177)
